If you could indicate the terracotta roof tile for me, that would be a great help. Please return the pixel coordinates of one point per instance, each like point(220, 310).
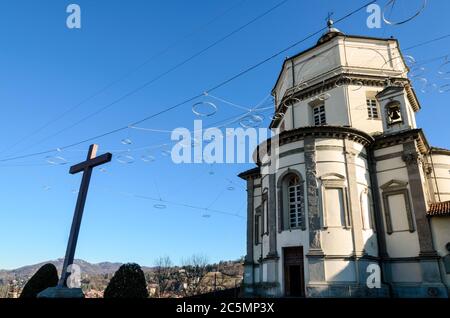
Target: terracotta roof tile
point(439, 209)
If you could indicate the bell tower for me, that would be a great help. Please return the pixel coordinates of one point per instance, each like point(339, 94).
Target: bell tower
point(397, 111)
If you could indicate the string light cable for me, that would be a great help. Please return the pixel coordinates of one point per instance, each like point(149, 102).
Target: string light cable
point(193, 98)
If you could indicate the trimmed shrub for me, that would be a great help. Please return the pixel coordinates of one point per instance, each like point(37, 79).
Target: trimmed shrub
point(46, 276)
point(127, 282)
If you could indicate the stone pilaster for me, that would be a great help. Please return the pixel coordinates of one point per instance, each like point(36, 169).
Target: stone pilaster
point(316, 261)
point(411, 157)
point(378, 214)
point(353, 196)
point(249, 262)
point(429, 259)
point(315, 246)
point(272, 258)
point(378, 218)
point(250, 218)
point(272, 215)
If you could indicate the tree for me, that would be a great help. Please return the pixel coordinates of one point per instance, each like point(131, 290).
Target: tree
point(45, 277)
point(163, 274)
point(195, 268)
point(127, 282)
point(4, 290)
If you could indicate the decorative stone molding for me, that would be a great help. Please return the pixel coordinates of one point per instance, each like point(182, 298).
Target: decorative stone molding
point(411, 158)
point(331, 132)
point(403, 137)
point(395, 187)
point(292, 95)
point(271, 256)
point(254, 173)
point(387, 210)
point(389, 156)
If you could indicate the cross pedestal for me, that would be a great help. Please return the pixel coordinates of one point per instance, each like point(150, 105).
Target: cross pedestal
point(62, 291)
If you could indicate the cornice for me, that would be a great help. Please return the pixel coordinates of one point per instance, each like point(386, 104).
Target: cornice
point(300, 92)
point(396, 138)
point(439, 151)
point(333, 132)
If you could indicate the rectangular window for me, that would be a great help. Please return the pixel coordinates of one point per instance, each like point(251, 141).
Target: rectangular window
point(397, 206)
point(295, 206)
point(335, 207)
point(372, 108)
point(257, 229)
point(319, 115)
point(266, 217)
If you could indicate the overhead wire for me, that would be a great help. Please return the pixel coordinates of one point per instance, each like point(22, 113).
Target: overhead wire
point(191, 99)
point(159, 76)
point(125, 76)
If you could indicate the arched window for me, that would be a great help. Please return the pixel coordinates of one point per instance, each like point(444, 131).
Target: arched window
point(291, 202)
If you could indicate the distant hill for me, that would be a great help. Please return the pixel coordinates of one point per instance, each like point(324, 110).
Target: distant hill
point(86, 268)
point(95, 277)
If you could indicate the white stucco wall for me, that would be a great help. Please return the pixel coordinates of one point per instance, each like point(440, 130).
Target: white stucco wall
point(440, 177)
point(440, 227)
point(399, 244)
point(359, 116)
point(371, 56)
point(340, 271)
point(346, 104)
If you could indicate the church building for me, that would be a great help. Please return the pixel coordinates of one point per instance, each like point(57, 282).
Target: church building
point(358, 204)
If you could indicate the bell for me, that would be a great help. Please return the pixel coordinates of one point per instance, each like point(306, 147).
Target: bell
point(395, 115)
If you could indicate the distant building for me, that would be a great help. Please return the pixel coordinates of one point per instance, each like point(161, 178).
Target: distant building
point(357, 184)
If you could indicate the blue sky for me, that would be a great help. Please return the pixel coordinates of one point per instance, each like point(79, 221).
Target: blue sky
point(47, 68)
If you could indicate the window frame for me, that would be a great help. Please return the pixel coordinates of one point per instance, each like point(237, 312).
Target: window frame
point(265, 213)
point(395, 187)
point(371, 108)
point(257, 226)
point(284, 223)
point(338, 182)
point(299, 215)
point(321, 111)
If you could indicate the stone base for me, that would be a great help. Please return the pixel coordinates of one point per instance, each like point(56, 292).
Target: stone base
point(419, 290)
point(61, 292)
point(247, 286)
point(266, 289)
point(345, 291)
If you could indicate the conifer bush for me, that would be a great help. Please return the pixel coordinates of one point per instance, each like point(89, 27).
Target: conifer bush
point(127, 282)
point(46, 276)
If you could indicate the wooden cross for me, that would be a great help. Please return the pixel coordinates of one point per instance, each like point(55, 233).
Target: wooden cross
point(85, 167)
